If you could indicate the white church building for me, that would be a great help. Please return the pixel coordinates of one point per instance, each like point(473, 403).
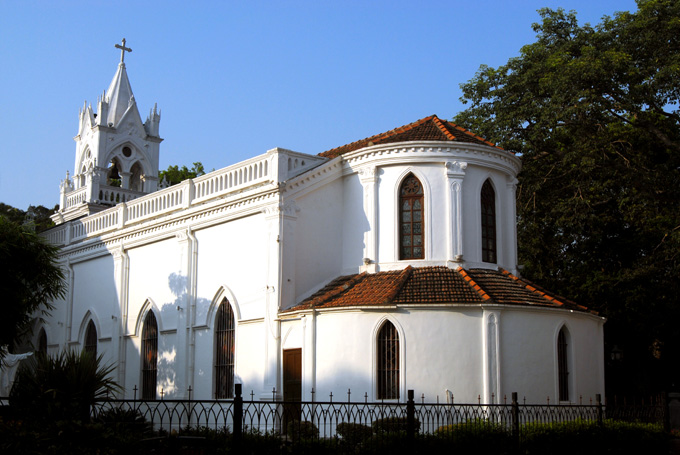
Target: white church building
point(382, 265)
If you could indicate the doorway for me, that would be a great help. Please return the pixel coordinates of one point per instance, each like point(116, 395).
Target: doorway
point(292, 386)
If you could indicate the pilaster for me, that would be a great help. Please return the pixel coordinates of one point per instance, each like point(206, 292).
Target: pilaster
point(121, 266)
point(455, 173)
point(510, 227)
point(491, 346)
point(368, 177)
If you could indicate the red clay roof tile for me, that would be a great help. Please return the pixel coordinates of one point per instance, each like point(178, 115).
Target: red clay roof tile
point(430, 128)
point(432, 285)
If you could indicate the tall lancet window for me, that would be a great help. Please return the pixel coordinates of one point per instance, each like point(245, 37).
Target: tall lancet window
point(90, 345)
point(388, 362)
point(149, 357)
point(411, 219)
point(488, 198)
point(42, 342)
point(563, 364)
point(224, 351)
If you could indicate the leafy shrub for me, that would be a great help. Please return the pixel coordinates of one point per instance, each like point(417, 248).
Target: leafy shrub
point(354, 433)
point(49, 389)
point(128, 422)
point(393, 425)
point(587, 437)
point(477, 434)
point(302, 430)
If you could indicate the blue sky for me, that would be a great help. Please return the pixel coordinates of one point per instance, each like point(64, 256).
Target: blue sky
point(236, 78)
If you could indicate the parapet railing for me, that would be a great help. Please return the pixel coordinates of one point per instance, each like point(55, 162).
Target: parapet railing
point(131, 209)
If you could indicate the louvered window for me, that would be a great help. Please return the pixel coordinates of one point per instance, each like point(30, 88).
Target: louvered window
point(411, 219)
point(388, 362)
point(149, 356)
point(488, 198)
point(224, 351)
point(91, 339)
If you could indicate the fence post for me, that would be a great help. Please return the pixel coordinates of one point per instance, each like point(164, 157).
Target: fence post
point(600, 411)
point(410, 417)
point(238, 416)
point(515, 419)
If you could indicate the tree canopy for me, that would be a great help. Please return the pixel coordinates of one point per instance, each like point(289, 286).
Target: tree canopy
point(30, 279)
point(594, 113)
point(174, 174)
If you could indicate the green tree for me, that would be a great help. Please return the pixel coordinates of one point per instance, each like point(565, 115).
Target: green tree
point(30, 279)
point(593, 111)
point(37, 216)
point(174, 174)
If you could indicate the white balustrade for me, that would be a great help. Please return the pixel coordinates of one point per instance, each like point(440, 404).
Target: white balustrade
point(132, 208)
point(76, 197)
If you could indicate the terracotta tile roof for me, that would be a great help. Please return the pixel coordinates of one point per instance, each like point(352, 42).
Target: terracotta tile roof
point(430, 128)
point(432, 285)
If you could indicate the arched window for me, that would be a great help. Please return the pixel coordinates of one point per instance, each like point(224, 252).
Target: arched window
point(388, 362)
point(136, 179)
point(42, 342)
point(563, 364)
point(149, 356)
point(488, 198)
point(411, 219)
point(224, 351)
point(91, 339)
point(113, 174)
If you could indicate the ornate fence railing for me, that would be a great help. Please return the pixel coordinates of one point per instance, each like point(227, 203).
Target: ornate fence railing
point(335, 422)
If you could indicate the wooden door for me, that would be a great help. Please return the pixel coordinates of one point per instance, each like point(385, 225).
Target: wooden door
point(292, 385)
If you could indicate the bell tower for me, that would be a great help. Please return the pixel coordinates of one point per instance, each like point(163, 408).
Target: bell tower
point(116, 154)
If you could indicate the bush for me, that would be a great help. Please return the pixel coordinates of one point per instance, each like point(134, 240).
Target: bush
point(125, 422)
point(302, 430)
point(50, 389)
point(393, 425)
point(354, 433)
point(477, 434)
point(587, 437)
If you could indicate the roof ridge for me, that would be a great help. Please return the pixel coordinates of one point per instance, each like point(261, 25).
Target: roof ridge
point(404, 275)
point(476, 136)
point(482, 293)
point(399, 129)
point(350, 283)
point(532, 287)
point(437, 121)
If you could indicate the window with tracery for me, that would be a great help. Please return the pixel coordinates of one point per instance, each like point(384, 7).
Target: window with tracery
point(224, 351)
point(90, 345)
point(411, 219)
point(488, 199)
point(149, 357)
point(388, 362)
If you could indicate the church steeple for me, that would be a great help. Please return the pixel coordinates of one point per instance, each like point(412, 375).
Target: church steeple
point(119, 98)
point(117, 155)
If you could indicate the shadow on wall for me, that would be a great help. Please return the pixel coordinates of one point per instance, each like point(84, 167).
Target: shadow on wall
point(171, 346)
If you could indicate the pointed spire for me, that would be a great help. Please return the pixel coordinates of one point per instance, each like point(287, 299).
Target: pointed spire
point(118, 98)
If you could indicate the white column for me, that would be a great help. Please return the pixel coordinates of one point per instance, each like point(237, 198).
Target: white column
point(455, 173)
point(121, 266)
point(369, 178)
point(491, 359)
point(185, 307)
point(272, 325)
point(510, 227)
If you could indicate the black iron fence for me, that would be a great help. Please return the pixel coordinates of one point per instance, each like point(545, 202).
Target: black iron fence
point(351, 424)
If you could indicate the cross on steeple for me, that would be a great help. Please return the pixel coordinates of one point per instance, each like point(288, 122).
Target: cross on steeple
point(123, 49)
